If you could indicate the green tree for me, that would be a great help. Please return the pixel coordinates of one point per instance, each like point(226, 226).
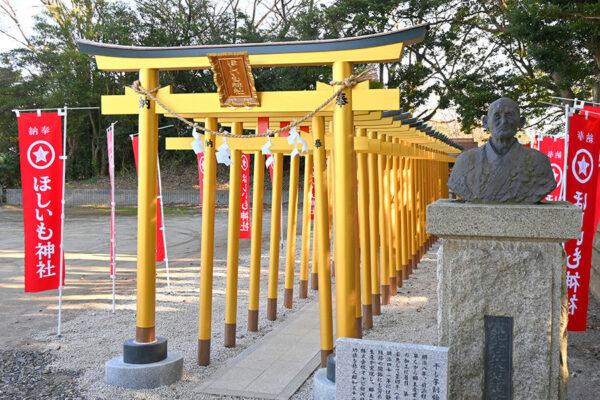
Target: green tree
point(477, 51)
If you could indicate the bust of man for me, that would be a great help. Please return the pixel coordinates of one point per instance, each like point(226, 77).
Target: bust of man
point(502, 170)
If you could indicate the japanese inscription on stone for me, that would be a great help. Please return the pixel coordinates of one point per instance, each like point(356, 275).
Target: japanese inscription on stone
point(498, 357)
point(367, 369)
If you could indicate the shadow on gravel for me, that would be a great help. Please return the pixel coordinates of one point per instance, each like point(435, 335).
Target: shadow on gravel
point(28, 375)
point(584, 357)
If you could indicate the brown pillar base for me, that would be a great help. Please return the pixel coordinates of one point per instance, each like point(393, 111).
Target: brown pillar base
point(324, 354)
point(229, 337)
point(399, 277)
point(252, 320)
point(145, 335)
point(332, 268)
point(303, 289)
point(393, 288)
point(367, 316)
point(415, 261)
point(405, 272)
point(314, 281)
point(288, 296)
point(272, 309)
point(203, 352)
point(385, 294)
point(358, 328)
point(376, 300)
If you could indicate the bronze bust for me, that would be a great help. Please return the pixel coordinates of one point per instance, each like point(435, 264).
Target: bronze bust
point(503, 170)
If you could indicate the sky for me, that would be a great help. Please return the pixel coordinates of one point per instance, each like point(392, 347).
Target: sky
point(26, 9)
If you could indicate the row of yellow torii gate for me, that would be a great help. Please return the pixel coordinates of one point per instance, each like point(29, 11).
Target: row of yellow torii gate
point(384, 168)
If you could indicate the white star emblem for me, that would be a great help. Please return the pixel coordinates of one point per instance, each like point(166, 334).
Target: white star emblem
point(583, 166)
point(40, 155)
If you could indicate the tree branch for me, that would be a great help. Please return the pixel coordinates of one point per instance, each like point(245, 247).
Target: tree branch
point(10, 12)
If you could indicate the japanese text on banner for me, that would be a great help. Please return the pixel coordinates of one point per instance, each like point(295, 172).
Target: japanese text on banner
point(554, 149)
point(40, 145)
point(245, 232)
point(582, 178)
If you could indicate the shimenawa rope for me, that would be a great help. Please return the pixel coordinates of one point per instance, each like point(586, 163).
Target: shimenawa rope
point(350, 81)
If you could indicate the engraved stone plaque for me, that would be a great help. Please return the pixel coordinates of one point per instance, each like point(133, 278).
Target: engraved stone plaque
point(368, 369)
point(498, 357)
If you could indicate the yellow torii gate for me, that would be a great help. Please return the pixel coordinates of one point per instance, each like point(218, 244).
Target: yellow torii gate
point(396, 158)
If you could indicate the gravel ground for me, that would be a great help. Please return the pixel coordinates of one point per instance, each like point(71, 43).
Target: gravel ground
point(29, 375)
point(411, 316)
point(36, 364)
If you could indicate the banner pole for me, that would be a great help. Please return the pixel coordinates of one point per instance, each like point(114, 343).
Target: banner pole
point(162, 228)
point(113, 244)
point(565, 155)
point(62, 217)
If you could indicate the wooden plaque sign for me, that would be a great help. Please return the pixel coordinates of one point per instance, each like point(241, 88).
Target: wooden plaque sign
point(234, 80)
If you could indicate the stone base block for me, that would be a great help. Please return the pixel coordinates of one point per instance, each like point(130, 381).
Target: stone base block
point(144, 376)
point(506, 261)
point(323, 388)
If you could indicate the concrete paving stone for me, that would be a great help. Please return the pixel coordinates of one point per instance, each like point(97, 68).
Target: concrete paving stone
point(309, 341)
point(300, 354)
point(276, 377)
point(277, 365)
point(237, 378)
point(295, 330)
point(263, 356)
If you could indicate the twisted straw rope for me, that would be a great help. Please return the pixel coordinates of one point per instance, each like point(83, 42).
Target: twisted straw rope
point(350, 81)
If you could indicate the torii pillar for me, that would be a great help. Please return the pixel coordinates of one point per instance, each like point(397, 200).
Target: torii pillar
point(145, 362)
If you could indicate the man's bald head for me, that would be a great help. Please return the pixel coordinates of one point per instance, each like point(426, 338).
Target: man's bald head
point(503, 119)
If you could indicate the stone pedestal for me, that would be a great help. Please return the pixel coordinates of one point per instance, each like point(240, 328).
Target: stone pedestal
point(503, 261)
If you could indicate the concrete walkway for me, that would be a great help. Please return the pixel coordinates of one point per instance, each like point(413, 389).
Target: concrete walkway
point(277, 365)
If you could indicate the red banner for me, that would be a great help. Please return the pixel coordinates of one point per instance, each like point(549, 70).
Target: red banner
point(110, 143)
point(594, 112)
point(269, 161)
point(263, 127)
point(555, 150)
point(160, 243)
point(41, 148)
point(245, 198)
point(312, 197)
point(200, 157)
point(582, 178)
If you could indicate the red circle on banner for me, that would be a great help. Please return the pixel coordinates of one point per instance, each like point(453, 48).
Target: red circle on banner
point(201, 162)
point(558, 175)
